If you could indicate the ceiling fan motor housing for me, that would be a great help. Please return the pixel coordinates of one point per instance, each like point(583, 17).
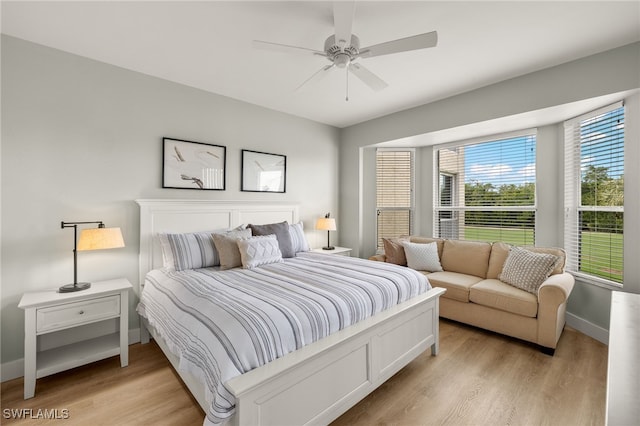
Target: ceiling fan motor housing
point(340, 56)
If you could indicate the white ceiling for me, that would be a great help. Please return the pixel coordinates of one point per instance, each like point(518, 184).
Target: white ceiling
point(208, 45)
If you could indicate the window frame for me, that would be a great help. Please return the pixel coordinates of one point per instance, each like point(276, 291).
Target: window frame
point(457, 209)
point(573, 198)
point(412, 200)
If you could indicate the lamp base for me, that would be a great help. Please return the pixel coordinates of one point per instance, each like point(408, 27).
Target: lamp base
point(328, 248)
point(74, 287)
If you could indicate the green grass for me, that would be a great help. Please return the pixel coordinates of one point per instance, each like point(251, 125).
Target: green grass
point(519, 237)
point(597, 257)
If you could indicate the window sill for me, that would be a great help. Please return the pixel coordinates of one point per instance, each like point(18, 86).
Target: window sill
point(598, 282)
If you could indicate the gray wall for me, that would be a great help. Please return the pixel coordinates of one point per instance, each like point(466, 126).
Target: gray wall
point(81, 140)
point(606, 73)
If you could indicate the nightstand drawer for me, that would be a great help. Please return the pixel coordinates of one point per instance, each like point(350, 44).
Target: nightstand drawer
point(72, 314)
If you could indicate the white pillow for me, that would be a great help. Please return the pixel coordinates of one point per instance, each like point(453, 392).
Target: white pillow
point(422, 257)
point(260, 250)
point(298, 239)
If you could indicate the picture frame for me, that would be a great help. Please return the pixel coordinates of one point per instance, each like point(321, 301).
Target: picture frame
point(193, 165)
point(263, 172)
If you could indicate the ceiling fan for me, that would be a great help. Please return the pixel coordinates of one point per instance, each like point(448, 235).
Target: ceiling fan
point(342, 49)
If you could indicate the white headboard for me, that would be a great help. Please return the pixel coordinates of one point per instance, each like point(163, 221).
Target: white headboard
point(200, 215)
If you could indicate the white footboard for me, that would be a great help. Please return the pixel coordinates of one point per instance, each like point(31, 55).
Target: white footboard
point(318, 383)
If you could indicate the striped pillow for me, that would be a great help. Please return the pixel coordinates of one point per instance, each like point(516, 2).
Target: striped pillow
point(189, 251)
point(298, 239)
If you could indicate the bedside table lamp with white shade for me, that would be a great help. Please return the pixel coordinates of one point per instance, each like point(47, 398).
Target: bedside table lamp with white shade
point(328, 224)
point(90, 239)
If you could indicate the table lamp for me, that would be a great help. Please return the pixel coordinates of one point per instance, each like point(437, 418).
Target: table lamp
point(328, 224)
point(90, 239)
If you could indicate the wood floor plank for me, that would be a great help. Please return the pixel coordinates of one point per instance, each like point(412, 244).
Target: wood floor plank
point(478, 378)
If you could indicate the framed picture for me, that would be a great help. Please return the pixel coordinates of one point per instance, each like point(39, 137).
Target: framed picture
point(263, 172)
point(193, 165)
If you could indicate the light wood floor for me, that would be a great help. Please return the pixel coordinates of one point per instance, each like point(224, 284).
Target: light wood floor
point(479, 378)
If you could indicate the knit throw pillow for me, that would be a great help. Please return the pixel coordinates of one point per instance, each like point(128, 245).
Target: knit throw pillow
point(527, 270)
point(257, 251)
point(282, 233)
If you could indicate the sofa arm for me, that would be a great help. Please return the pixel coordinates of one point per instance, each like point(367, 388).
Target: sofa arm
point(379, 257)
point(552, 305)
point(556, 289)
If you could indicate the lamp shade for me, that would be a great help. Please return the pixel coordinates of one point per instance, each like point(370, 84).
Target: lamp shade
point(326, 224)
point(100, 238)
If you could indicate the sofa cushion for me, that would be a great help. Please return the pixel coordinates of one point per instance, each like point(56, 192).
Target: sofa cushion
point(496, 294)
point(466, 257)
point(394, 250)
point(527, 270)
point(457, 284)
point(422, 257)
point(426, 240)
point(500, 251)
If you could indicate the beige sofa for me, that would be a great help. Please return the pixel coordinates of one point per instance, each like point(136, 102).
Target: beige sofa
point(476, 296)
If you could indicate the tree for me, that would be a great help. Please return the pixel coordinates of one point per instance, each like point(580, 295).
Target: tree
point(600, 189)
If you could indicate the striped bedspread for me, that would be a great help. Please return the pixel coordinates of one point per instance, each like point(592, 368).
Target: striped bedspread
point(224, 323)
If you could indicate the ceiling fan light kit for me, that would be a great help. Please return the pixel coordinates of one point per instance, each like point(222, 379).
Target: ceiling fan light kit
point(342, 49)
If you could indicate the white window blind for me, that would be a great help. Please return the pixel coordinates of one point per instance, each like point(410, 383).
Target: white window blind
point(594, 195)
point(486, 189)
point(394, 186)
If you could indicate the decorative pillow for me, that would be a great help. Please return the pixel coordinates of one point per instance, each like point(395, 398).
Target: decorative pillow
point(281, 231)
point(298, 240)
point(227, 247)
point(527, 270)
point(188, 251)
point(261, 250)
point(394, 250)
point(422, 257)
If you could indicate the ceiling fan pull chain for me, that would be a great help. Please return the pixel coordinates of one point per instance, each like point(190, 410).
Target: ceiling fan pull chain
point(347, 96)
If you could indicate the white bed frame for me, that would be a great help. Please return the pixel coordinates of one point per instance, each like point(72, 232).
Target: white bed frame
point(315, 384)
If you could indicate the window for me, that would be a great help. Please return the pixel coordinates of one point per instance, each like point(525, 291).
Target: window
point(594, 195)
point(394, 193)
point(486, 189)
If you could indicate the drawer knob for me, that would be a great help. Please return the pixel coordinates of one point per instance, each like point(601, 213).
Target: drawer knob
point(81, 312)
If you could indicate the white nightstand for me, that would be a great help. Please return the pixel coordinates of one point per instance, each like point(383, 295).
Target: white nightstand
point(50, 311)
point(343, 251)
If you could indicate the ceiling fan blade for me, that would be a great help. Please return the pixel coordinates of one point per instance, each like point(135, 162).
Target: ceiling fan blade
point(342, 21)
point(367, 77)
point(267, 45)
point(420, 41)
point(317, 76)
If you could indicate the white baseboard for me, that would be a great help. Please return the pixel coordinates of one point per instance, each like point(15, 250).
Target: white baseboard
point(590, 329)
point(15, 369)
point(12, 370)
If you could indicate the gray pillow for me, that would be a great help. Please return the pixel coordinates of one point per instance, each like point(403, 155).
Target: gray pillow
point(282, 233)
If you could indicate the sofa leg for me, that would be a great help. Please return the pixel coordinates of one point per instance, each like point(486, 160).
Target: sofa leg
point(547, 351)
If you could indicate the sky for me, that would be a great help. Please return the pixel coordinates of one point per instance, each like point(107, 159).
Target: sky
point(512, 161)
point(506, 161)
